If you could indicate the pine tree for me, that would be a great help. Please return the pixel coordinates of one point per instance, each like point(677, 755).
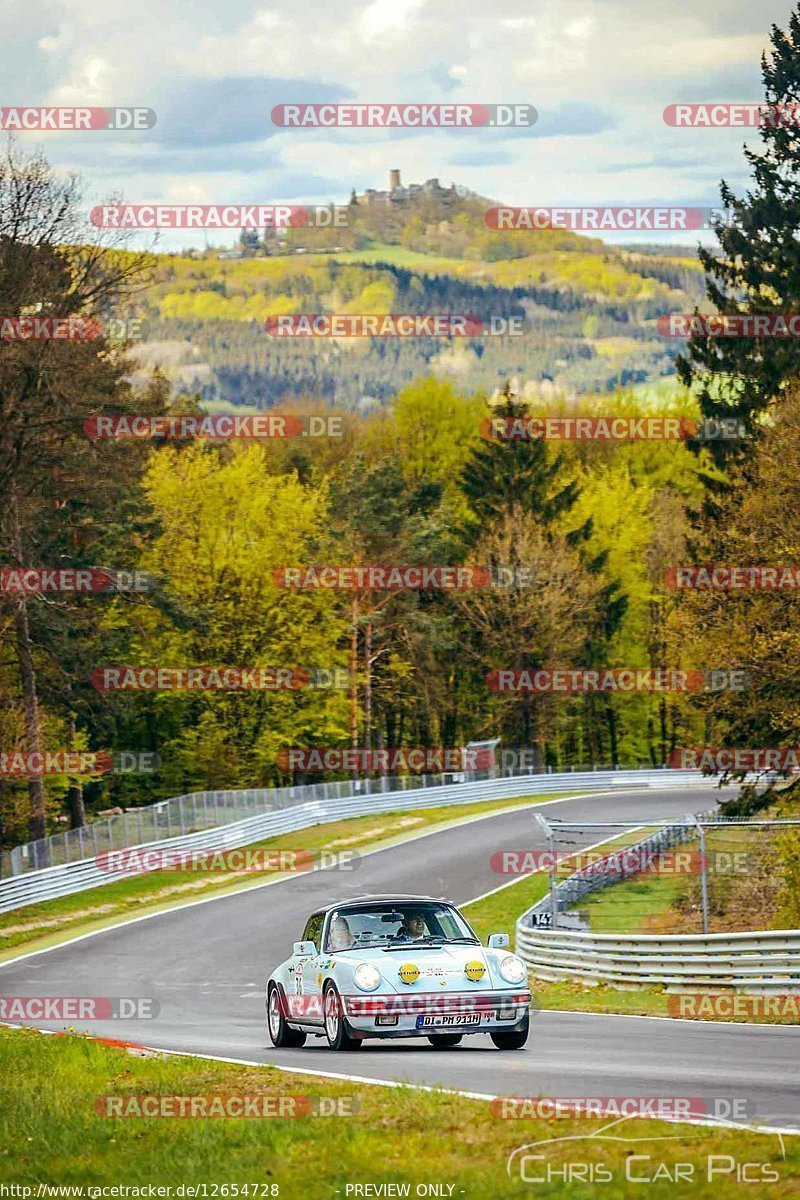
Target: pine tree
point(504, 479)
point(757, 268)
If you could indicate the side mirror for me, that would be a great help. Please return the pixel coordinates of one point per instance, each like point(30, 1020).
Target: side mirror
point(307, 949)
point(498, 941)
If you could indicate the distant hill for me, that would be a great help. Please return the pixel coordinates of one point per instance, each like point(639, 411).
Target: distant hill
point(589, 308)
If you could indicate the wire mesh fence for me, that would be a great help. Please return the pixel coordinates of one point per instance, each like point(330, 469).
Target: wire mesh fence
point(197, 811)
point(691, 876)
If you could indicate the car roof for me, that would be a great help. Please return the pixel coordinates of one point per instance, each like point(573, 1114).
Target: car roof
point(389, 898)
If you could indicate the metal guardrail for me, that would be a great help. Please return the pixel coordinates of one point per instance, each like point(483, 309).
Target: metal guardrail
point(759, 961)
point(208, 810)
point(763, 962)
point(323, 808)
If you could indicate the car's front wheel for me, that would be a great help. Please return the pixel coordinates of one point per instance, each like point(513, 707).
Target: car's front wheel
point(280, 1033)
point(337, 1030)
point(443, 1040)
point(512, 1039)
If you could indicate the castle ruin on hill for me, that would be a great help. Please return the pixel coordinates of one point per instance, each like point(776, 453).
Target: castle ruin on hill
point(398, 194)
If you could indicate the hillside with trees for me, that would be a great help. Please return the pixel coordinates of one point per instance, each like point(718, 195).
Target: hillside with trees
point(588, 310)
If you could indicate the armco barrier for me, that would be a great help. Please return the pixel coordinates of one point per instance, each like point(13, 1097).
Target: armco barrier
point(761, 961)
point(68, 878)
point(167, 819)
point(757, 962)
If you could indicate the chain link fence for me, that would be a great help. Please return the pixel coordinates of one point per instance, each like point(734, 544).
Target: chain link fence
point(209, 810)
point(695, 875)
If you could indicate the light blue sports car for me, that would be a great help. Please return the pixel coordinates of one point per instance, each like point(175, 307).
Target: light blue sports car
point(397, 966)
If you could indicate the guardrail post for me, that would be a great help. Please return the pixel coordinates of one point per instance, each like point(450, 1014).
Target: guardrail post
point(552, 872)
point(703, 871)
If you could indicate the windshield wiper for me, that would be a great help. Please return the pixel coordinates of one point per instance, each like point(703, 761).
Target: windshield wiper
point(471, 941)
point(432, 941)
point(419, 944)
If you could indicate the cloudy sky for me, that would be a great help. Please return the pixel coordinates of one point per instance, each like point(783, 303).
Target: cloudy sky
point(600, 73)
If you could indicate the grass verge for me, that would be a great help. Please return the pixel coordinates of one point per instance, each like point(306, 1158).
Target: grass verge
point(52, 1133)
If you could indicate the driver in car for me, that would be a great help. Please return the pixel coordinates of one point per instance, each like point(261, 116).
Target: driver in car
point(412, 927)
point(340, 937)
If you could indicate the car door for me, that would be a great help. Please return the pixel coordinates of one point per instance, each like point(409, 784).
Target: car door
point(307, 971)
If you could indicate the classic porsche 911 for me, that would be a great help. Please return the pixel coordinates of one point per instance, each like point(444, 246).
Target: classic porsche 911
point(397, 966)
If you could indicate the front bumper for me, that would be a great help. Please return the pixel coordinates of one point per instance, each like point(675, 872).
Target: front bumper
point(424, 1014)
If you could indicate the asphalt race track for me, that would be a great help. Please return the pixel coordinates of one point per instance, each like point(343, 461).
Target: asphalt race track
point(206, 964)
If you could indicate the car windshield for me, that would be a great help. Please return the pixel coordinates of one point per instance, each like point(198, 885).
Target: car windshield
point(423, 922)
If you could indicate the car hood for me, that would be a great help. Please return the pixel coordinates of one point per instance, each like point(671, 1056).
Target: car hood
point(442, 967)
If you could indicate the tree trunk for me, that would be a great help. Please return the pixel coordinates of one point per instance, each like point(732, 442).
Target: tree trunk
point(2, 822)
point(75, 808)
point(36, 818)
point(591, 729)
point(664, 730)
point(354, 677)
point(368, 688)
point(611, 718)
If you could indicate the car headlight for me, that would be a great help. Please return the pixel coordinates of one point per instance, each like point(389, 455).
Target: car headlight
point(366, 977)
point(513, 969)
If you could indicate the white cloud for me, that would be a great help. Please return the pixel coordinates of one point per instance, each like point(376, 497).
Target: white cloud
point(384, 17)
point(621, 57)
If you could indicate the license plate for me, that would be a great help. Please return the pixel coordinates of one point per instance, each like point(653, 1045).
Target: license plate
point(448, 1020)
